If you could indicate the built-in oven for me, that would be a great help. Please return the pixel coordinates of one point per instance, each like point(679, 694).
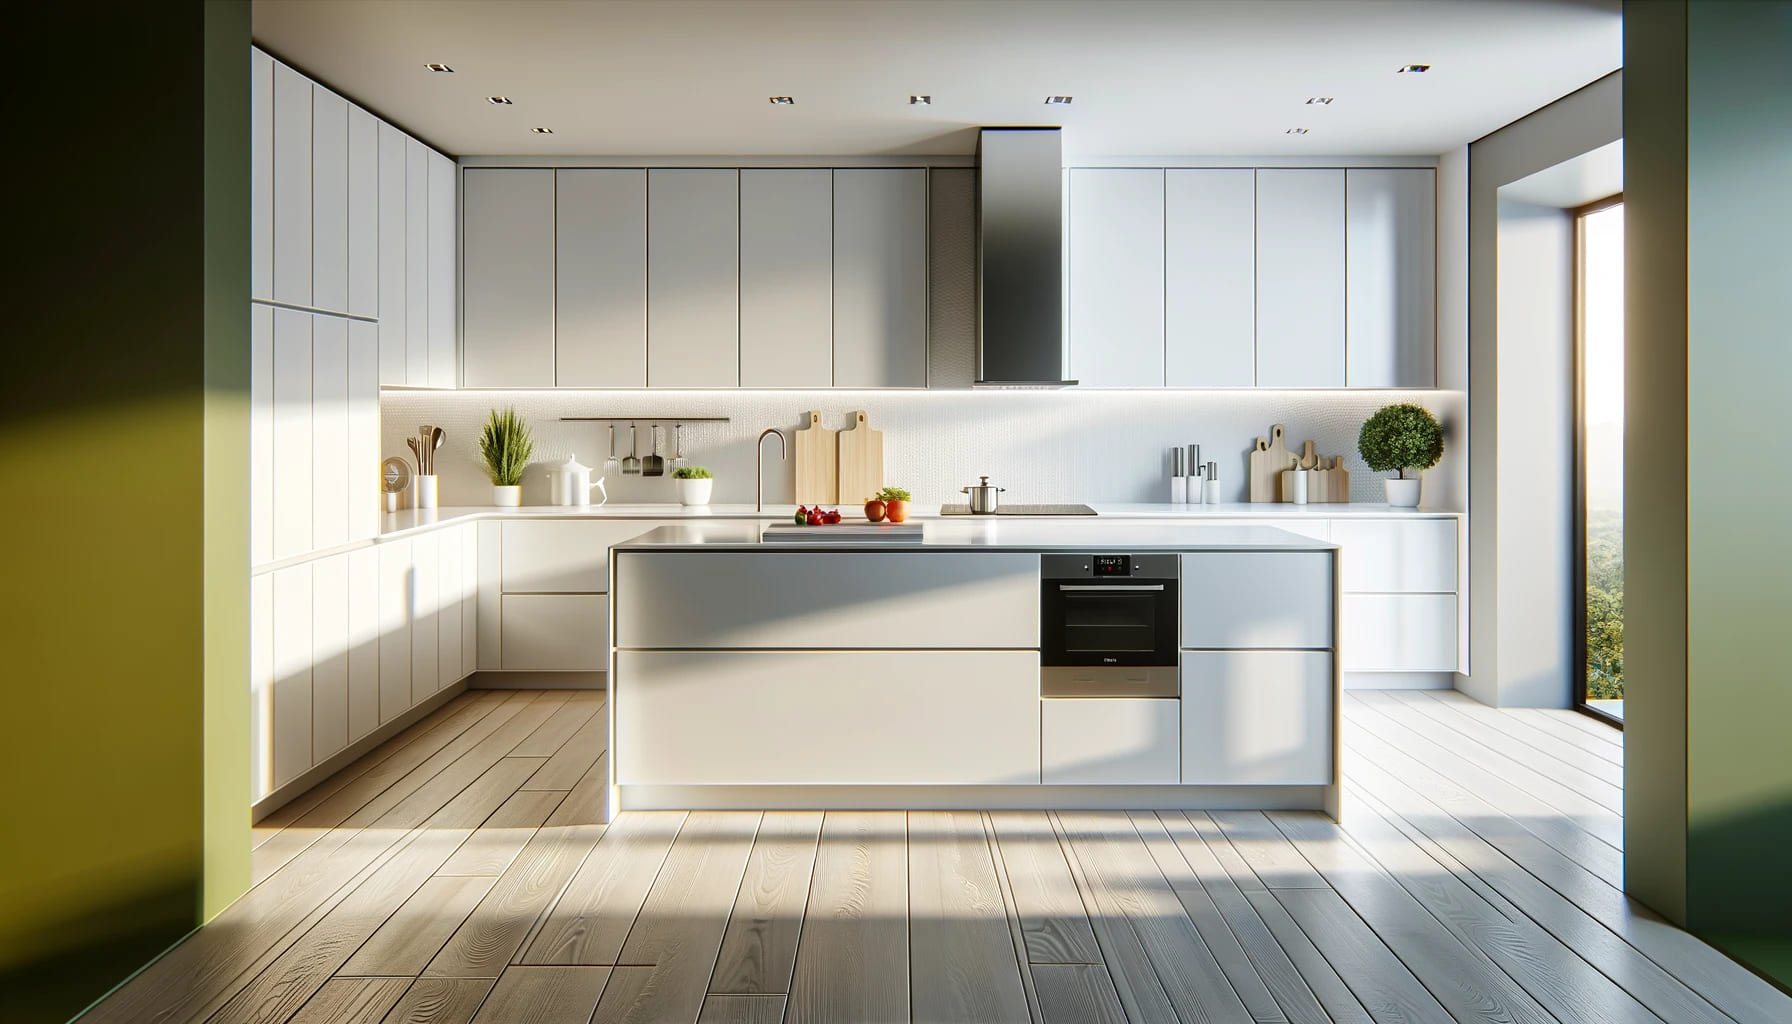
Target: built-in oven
point(1108, 625)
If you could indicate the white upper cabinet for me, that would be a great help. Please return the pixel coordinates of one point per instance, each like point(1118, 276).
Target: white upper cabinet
point(292, 187)
point(261, 175)
point(416, 262)
point(509, 270)
point(363, 213)
point(786, 278)
point(880, 278)
point(1210, 245)
point(1300, 278)
point(1391, 261)
point(600, 278)
point(693, 338)
point(329, 201)
point(444, 250)
point(392, 238)
point(1116, 251)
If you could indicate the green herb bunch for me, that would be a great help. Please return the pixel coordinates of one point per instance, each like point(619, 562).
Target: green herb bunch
point(506, 445)
point(892, 494)
point(1401, 437)
point(692, 473)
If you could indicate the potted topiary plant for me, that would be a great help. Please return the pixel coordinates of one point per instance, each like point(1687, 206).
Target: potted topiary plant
point(506, 446)
point(895, 501)
point(1401, 437)
point(693, 483)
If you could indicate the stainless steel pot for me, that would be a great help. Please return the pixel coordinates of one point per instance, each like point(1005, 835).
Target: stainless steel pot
point(983, 496)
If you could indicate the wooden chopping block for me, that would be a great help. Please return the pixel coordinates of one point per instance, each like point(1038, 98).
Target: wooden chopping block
point(1337, 482)
point(817, 463)
point(861, 461)
point(1268, 459)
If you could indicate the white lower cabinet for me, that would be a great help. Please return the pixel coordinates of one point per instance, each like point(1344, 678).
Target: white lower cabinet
point(363, 642)
point(395, 629)
point(828, 717)
point(1254, 599)
point(546, 557)
point(1392, 556)
point(1398, 633)
point(555, 632)
point(1257, 718)
point(1122, 741)
point(290, 711)
point(425, 567)
point(329, 656)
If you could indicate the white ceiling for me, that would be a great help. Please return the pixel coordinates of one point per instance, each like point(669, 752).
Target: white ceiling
point(1150, 77)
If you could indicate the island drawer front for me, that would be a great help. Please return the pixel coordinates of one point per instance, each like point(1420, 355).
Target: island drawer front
point(1257, 718)
point(827, 717)
point(555, 632)
point(1235, 600)
point(1110, 741)
point(1398, 633)
point(828, 600)
point(1385, 556)
point(562, 557)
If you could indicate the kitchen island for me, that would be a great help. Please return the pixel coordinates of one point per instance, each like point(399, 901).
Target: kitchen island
point(749, 670)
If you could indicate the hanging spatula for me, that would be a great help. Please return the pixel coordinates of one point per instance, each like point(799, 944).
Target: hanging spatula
point(653, 465)
point(631, 466)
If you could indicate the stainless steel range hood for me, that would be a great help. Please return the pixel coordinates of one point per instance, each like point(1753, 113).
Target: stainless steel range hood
point(1020, 239)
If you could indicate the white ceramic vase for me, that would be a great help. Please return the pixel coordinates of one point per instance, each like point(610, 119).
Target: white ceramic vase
point(693, 492)
point(507, 497)
point(1403, 493)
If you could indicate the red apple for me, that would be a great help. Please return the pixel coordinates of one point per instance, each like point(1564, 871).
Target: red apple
point(874, 510)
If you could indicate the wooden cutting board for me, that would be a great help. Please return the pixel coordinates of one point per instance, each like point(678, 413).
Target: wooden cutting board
point(861, 461)
point(817, 463)
point(1268, 459)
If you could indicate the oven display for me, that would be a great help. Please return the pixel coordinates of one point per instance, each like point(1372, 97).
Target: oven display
point(1113, 565)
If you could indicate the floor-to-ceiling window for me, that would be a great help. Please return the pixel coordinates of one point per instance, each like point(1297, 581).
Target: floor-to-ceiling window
point(1599, 301)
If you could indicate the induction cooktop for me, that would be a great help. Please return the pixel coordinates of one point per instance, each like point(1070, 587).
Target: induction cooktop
point(1022, 510)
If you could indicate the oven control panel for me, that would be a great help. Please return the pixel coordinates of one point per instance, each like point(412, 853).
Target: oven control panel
point(1109, 567)
point(1113, 565)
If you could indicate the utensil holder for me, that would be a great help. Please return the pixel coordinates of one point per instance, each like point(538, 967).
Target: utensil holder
point(426, 491)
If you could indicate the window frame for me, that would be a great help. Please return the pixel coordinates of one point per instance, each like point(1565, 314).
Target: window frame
point(1580, 214)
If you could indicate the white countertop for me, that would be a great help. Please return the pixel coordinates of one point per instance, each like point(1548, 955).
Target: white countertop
point(983, 533)
point(396, 525)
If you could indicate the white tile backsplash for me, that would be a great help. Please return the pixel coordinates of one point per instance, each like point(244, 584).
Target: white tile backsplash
point(1043, 446)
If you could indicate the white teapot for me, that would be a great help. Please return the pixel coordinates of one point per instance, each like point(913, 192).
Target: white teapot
point(570, 484)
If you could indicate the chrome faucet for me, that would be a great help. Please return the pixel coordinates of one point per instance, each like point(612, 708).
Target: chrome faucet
point(759, 462)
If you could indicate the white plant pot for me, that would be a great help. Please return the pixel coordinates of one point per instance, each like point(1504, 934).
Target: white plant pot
point(507, 497)
point(693, 492)
point(1403, 493)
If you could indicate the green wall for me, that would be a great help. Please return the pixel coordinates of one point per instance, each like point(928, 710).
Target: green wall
point(1706, 88)
point(120, 319)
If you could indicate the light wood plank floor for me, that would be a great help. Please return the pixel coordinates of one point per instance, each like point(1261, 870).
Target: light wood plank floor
point(460, 873)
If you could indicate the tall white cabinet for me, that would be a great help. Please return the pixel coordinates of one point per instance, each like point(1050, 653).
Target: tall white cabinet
point(1210, 253)
point(1300, 278)
point(786, 278)
point(1391, 277)
point(880, 278)
point(509, 268)
point(692, 301)
point(600, 278)
point(1116, 253)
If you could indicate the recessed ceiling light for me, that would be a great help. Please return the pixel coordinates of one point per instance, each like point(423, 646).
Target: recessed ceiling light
point(1319, 101)
point(1417, 69)
point(442, 68)
point(919, 100)
point(542, 131)
point(783, 101)
point(1296, 131)
point(501, 101)
point(1058, 101)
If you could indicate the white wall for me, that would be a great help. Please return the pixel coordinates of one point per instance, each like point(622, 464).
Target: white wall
point(1100, 446)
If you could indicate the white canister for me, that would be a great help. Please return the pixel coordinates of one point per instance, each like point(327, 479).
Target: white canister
point(426, 491)
point(570, 483)
point(1300, 487)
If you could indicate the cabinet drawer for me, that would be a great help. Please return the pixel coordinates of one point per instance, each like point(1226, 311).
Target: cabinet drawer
point(1257, 718)
point(1252, 599)
point(1383, 556)
point(826, 717)
point(1113, 742)
point(827, 600)
point(1398, 633)
point(555, 632)
point(569, 557)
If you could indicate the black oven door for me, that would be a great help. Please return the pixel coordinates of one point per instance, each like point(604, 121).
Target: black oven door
point(1121, 623)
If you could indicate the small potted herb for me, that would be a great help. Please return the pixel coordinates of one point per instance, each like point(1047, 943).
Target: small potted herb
point(1401, 437)
point(894, 502)
point(693, 483)
point(506, 446)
